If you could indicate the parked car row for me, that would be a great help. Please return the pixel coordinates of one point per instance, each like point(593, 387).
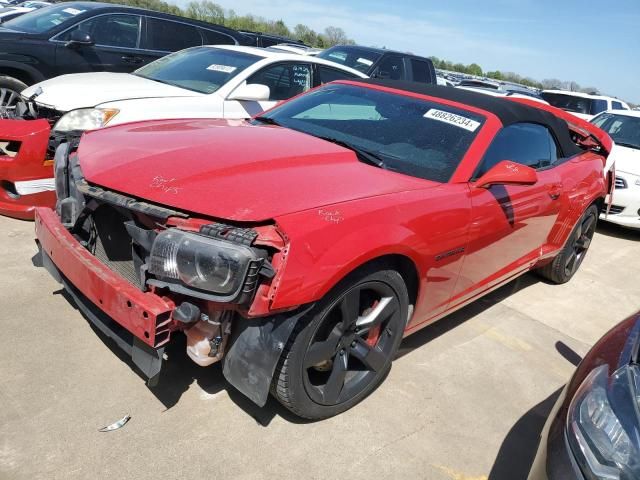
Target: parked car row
point(10, 12)
point(223, 81)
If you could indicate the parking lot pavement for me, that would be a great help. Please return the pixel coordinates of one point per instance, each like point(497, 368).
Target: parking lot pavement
point(465, 400)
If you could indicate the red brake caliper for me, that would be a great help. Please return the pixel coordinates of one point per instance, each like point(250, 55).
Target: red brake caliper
point(374, 334)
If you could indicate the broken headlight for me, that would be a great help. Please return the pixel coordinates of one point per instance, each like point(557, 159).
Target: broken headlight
point(85, 119)
point(603, 425)
point(201, 262)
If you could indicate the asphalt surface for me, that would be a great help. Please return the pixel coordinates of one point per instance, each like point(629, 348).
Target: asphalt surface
point(465, 399)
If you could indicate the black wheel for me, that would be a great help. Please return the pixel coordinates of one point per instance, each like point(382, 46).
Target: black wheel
point(343, 349)
point(10, 89)
point(566, 264)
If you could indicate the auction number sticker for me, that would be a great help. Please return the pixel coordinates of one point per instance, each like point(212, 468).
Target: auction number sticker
point(452, 119)
point(365, 61)
point(72, 11)
point(221, 68)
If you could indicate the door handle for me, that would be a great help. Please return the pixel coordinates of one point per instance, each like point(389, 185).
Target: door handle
point(555, 191)
point(131, 59)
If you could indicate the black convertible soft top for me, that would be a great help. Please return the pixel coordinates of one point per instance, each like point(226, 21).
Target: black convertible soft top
point(507, 111)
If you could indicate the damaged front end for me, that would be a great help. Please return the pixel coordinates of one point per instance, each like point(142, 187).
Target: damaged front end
point(141, 272)
point(27, 148)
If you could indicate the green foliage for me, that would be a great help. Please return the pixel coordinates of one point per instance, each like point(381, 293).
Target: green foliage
point(208, 11)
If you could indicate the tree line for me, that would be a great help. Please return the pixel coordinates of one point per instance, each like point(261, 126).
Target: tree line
point(546, 84)
point(208, 11)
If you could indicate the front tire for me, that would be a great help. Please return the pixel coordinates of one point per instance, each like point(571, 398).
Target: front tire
point(566, 263)
point(344, 347)
point(10, 89)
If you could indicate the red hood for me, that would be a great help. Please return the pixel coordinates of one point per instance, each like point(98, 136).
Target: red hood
point(230, 169)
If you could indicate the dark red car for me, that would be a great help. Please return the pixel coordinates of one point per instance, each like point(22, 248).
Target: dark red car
point(301, 246)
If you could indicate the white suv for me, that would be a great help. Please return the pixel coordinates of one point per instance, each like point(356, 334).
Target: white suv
point(583, 105)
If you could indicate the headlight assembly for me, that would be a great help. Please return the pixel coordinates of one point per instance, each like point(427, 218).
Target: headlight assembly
point(222, 269)
point(603, 427)
point(85, 119)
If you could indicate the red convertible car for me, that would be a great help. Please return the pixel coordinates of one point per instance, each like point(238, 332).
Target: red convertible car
point(300, 247)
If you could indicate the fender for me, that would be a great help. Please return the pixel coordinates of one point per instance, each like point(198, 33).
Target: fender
point(34, 74)
point(328, 243)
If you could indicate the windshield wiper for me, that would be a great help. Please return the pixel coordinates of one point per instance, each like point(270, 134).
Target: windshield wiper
point(266, 120)
point(364, 155)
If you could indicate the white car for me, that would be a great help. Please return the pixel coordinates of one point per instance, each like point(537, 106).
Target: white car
point(624, 128)
point(222, 81)
point(583, 105)
point(9, 12)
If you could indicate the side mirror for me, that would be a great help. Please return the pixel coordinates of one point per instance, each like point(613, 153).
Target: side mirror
point(507, 173)
point(252, 92)
point(79, 38)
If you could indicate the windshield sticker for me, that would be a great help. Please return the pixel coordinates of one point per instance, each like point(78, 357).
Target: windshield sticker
point(221, 68)
point(339, 55)
point(452, 119)
point(73, 11)
point(365, 61)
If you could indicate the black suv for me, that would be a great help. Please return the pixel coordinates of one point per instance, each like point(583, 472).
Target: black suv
point(383, 63)
point(78, 37)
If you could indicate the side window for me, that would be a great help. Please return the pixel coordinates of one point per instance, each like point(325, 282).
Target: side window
point(285, 80)
point(391, 68)
point(524, 143)
point(617, 106)
point(168, 36)
point(109, 30)
point(211, 37)
point(598, 106)
point(266, 41)
point(328, 74)
point(421, 71)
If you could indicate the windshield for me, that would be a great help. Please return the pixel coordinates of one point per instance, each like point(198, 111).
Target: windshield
point(624, 130)
point(201, 69)
point(360, 59)
point(576, 104)
point(44, 19)
point(415, 137)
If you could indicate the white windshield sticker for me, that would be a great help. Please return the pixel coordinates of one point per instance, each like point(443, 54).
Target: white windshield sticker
point(452, 119)
point(72, 11)
point(222, 68)
point(338, 55)
point(366, 61)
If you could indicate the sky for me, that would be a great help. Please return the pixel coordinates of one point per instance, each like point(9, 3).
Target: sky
point(594, 43)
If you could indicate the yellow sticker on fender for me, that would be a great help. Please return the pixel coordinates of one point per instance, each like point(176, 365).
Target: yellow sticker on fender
point(452, 119)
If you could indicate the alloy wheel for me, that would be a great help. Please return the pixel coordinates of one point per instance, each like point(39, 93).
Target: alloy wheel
point(353, 343)
point(9, 99)
point(580, 245)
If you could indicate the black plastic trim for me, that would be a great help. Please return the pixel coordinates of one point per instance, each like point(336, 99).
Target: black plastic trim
point(254, 350)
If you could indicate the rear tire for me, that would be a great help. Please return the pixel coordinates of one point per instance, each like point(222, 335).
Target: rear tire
point(564, 266)
point(342, 350)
